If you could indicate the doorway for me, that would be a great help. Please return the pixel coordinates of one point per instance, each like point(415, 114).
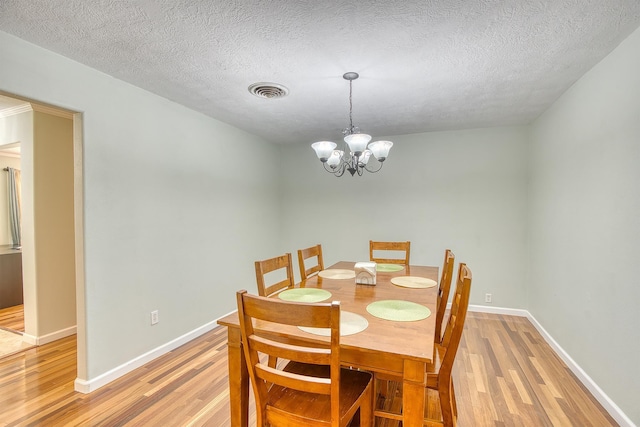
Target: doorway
point(51, 164)
point(11, 284)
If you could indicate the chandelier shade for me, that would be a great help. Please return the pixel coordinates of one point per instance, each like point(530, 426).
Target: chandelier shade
point(324, 149)
point(336, 157)
point(380, 149)
point(357, 144)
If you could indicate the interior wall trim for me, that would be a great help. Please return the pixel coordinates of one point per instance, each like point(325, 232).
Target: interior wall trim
point(7, 112)
point(497, 310)
point(53, 336)
point(54, 111)
point(87, 386)
point(33, 106)
point(30, 339)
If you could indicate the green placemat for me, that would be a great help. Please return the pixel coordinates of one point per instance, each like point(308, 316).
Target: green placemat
point(337, 274)
point(350, 323)
point(386, 268)
point(413, 282)
point(304, 295)
point(398, 310)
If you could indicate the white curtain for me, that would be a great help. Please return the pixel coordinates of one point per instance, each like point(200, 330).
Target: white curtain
point(15, 206)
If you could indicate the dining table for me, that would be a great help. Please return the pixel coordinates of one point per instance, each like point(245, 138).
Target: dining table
point(398, 347)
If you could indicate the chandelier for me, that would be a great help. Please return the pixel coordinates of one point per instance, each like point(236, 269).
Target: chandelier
point(360, 150)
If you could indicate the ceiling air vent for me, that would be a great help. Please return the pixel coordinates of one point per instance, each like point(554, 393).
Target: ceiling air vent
point(268, 90)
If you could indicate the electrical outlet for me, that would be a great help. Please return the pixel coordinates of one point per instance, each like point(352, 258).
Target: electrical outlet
point(154, 317)
point(487, 297)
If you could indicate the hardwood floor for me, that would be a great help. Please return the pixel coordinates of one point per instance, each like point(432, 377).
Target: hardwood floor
point(186, 387)
point(12, 318)
point(505, 375)
point(11, 331)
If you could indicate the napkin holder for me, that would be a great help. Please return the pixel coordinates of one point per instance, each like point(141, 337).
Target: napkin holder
point(365, 273)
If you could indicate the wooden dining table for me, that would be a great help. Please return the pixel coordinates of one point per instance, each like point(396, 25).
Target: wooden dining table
point(403, 348)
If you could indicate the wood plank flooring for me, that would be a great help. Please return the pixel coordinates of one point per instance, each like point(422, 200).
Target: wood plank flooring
point(11, 342)
point(12, 318)
point(11, 331)
point(505, 375)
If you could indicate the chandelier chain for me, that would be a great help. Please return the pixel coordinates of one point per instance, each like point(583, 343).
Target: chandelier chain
point(351, 129)
point(350, 106)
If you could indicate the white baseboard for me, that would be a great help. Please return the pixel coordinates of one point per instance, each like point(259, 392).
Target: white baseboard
point(87, 386)
point(30, 339)
point(498, 310)
point(608, 404)
point(53, 336)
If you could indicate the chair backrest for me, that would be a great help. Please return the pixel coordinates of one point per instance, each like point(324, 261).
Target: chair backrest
point(322, 315)
point(455, 324)
point(303, 254)
point(390, 246)
point(270, 265)
point(443, 292)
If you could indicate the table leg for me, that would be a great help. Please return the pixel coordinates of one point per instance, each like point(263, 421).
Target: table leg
point(413, 383)
point(238, 380)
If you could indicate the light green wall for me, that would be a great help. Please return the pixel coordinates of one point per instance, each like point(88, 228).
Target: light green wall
point(167, 227)
point(462, 190)
point(585, 224)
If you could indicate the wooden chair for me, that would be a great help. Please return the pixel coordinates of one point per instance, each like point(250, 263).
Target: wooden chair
point(312, 389)
point(303, 254)
point(439, 373)
point(443, 292)
point(270, 265)
point(390, 246)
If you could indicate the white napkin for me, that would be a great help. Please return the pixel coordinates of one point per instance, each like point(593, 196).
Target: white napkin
point(365, 273)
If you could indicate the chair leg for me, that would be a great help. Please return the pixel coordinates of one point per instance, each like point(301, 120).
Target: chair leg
point(366, 408)
point(447, 404)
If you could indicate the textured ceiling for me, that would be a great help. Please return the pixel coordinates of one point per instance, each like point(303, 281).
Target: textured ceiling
point(424, 64)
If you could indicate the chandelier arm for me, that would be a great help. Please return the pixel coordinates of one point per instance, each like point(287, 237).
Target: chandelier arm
point(338, 171)
point(328, 168)
point(374, 170)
